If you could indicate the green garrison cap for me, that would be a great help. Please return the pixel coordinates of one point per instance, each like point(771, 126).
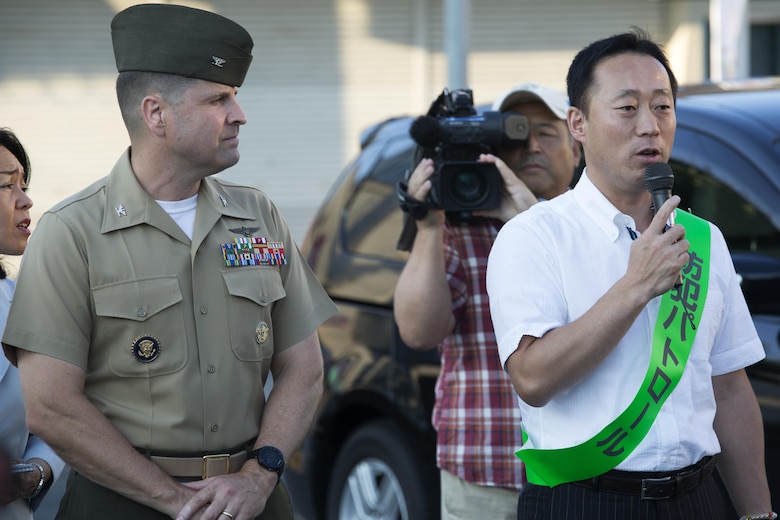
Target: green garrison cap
point(181, 40)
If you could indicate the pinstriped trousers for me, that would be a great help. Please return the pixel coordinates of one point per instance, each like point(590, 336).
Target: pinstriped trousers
point(573, 502)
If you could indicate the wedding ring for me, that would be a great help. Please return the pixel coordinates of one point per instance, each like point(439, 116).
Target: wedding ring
point(226, 514)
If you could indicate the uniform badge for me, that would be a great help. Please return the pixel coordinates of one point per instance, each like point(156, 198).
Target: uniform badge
point(253, 251)
point(247, 232)
point(261, 332)
point(146, 349)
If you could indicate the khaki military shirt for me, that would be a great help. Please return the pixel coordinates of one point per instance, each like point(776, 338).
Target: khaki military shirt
point(176, 344)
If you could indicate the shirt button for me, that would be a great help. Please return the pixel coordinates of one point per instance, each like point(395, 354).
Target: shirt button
point(214, 427)
point(204, 309)
point(211, 369)
point(263, 298)
point(141, 313)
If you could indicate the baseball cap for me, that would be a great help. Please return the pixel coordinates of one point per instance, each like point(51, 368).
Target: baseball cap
point(555, 100)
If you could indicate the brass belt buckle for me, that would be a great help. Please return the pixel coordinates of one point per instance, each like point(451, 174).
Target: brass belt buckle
point(207, 459)
point(645, 481)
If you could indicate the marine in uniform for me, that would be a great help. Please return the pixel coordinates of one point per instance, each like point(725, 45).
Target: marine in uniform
point(160, 331)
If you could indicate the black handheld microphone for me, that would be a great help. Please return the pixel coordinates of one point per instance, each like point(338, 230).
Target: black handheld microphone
point(659, 180)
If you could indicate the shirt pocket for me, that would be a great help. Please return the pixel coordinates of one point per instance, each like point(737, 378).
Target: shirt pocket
point(142, 321)
point(253, 292)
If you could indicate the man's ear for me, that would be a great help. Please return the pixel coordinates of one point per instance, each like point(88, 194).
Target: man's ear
point(152, 110)
point(576, 120)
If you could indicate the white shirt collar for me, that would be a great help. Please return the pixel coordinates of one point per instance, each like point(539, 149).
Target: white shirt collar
point(606, 216)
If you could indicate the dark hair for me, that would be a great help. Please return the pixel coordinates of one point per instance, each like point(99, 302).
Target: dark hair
point(579, 79)
point(9, 141)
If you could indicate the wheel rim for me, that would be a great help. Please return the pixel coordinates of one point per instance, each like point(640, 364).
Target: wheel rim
point(372, 491)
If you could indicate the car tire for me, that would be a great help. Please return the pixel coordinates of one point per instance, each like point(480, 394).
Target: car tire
point(381, 472)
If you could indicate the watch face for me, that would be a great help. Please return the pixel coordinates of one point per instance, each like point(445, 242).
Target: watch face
point(271, 457)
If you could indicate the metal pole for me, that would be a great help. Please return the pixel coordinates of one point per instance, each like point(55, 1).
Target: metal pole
point(457, 14)
point(729, 39)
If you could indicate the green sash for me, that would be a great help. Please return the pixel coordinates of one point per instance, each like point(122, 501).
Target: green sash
point(678, 317)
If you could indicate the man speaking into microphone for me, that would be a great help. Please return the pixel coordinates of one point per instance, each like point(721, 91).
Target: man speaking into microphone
point(632, 390)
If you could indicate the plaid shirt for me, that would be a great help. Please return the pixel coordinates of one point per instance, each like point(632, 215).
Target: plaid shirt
point(476, 415)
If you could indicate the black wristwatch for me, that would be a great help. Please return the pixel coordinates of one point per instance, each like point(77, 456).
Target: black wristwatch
point(270, 458)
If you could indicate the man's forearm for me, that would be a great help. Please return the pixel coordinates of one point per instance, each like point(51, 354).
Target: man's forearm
point(93, 447)
point(294, 398)
point(60, 414)
point(422, 304)
point(740, 431)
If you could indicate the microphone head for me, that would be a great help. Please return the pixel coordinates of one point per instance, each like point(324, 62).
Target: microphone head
point(426, 131)
point(659, 177)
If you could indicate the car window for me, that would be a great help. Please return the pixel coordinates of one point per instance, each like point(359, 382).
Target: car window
point(744, 226)
point(373, 220)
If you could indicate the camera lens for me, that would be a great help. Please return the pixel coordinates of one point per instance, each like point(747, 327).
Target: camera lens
point(468, 187)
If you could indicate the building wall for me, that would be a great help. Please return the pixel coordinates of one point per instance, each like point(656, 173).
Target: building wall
point(323, 71)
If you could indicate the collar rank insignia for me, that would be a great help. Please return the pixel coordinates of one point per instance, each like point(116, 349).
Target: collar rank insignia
point(146, 349)
point(218, 62)
point(223, 201)
point(247, 232)
point(253, 251)
point(120, 211)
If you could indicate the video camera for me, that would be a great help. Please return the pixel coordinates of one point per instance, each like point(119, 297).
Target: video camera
point(454, 135)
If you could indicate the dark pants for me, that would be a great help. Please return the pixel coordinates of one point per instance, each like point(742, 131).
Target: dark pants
point(83, 499)
point(573, 502)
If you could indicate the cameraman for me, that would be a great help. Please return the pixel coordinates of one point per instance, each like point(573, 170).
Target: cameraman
point(441, 300)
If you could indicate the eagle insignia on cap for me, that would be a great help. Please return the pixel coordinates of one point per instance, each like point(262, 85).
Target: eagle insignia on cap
point(146, 349)
point(219, 62)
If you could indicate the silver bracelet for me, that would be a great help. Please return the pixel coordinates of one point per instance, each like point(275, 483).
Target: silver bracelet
point(760, 516)
point(42, 481)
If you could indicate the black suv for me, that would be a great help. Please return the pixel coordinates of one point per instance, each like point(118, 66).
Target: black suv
point(370, 453)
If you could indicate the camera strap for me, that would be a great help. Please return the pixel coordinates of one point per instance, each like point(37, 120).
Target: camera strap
point(416, 208)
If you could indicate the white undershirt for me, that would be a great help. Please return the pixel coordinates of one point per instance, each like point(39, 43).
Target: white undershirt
point(182, 212)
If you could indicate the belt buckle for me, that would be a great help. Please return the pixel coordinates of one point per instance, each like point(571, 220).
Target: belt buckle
point(208, 458)
point(645, 481)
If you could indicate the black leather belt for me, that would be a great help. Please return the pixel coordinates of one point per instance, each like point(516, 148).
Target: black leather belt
point(652, 486)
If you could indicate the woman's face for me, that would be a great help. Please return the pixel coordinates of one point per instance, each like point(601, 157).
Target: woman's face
point(14, 205)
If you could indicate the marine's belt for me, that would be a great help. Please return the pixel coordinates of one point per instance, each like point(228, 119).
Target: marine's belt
point(201, 466)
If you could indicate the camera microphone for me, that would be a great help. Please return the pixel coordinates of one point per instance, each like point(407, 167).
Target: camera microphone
point(427, 131)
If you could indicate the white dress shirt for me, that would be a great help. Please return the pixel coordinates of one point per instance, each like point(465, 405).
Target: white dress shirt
point(549, 265)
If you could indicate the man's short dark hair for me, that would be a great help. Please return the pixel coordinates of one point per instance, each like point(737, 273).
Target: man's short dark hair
point(579, 80)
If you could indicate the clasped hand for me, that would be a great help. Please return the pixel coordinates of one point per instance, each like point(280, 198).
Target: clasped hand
point(243, 494)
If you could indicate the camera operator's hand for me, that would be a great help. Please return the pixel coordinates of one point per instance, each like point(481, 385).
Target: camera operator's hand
point(419, 187)
point(515, 197)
